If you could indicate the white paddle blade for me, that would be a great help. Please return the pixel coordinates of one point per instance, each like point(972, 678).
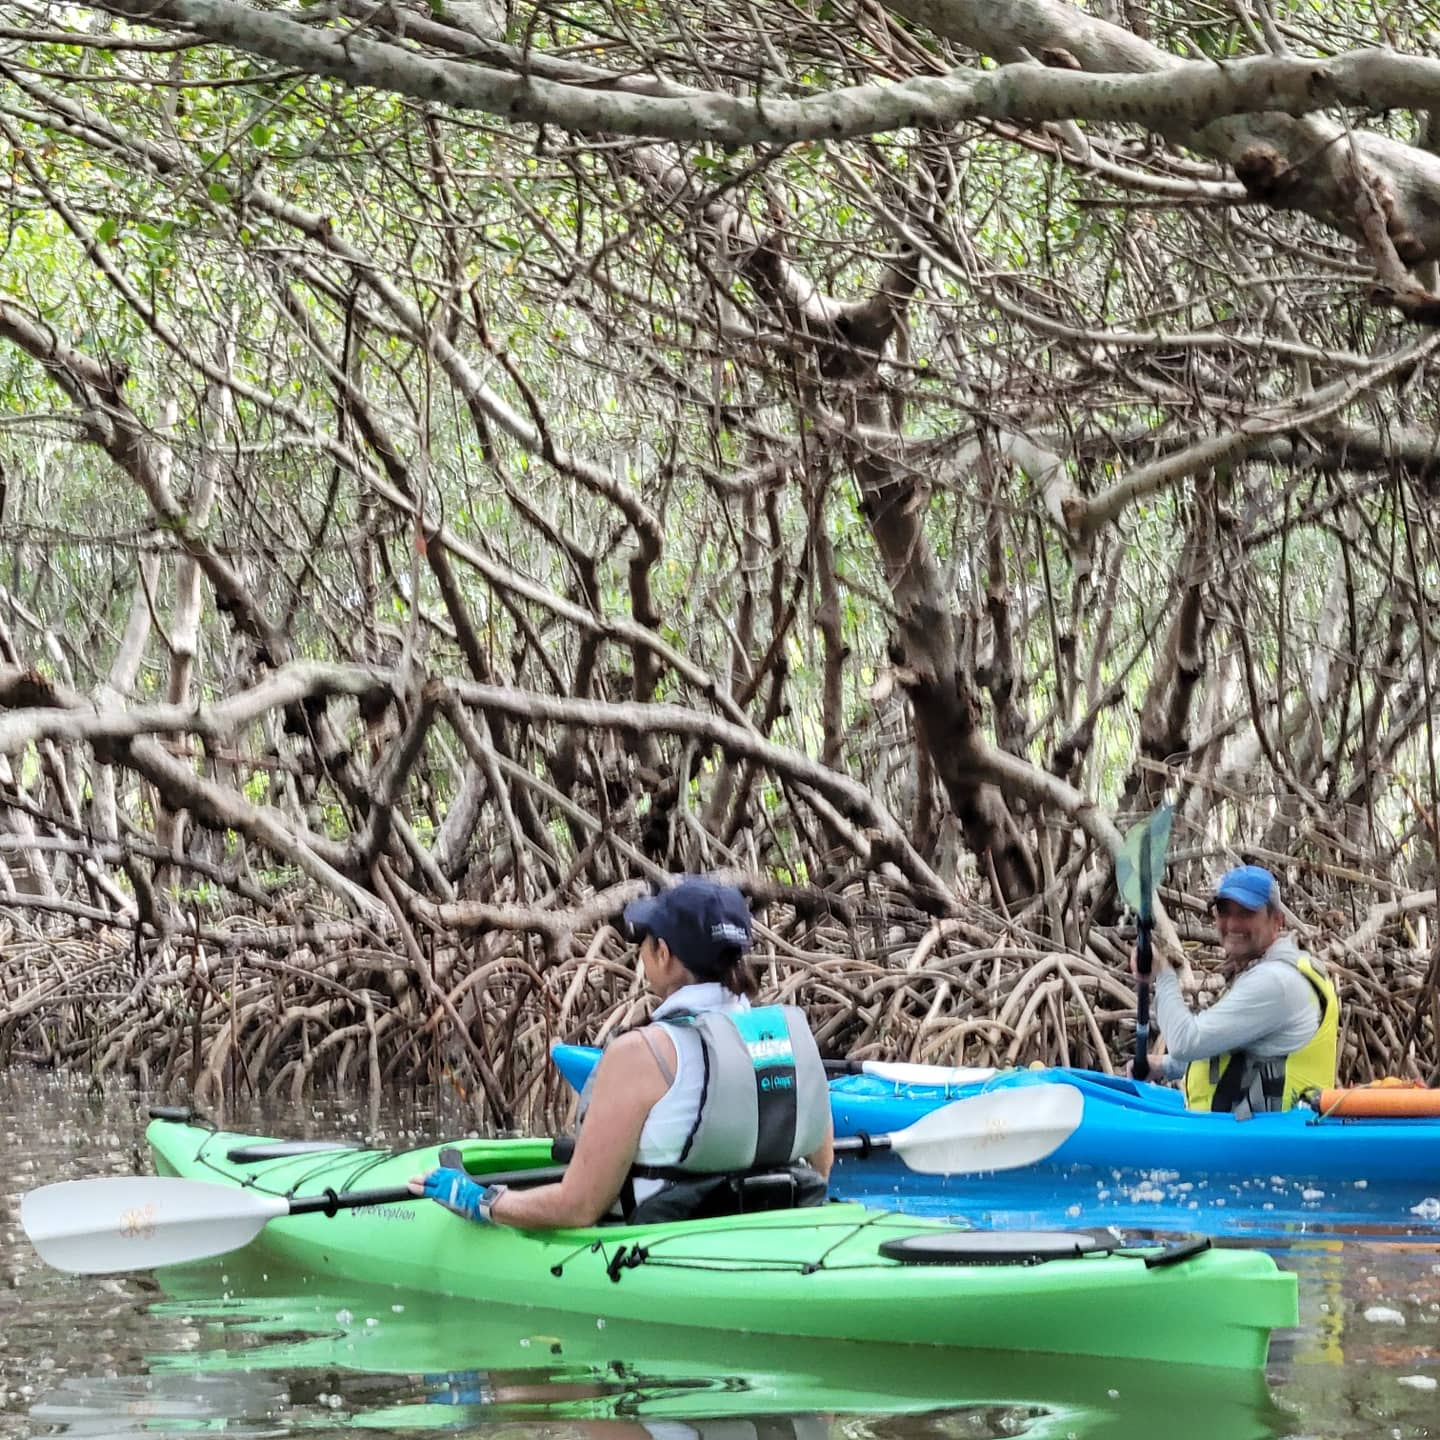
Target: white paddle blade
point(999, 1130)
point(136, 1222)
point(902, 1072)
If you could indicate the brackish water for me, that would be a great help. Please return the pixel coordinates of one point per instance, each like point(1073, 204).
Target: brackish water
point(237, 1347)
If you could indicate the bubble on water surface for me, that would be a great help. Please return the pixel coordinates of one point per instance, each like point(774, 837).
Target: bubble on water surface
point(1427, 1209)
point(1418, 1382)
point(343, 1317)
point(1383, 1315)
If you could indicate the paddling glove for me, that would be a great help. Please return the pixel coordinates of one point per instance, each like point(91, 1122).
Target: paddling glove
point(457, 1192)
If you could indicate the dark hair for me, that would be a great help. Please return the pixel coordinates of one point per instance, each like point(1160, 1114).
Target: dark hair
point(739, 976)
point(731, 968)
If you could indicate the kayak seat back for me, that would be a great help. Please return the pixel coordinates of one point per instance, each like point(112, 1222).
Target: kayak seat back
point(983, 1247)
point(711, 1197)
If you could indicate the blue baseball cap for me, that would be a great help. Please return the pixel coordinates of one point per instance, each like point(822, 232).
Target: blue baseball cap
point(702, 921)
point(1252, 886)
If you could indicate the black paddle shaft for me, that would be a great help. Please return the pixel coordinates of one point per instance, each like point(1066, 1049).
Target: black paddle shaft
point(331, 1202)
point(1143, 961)
point(861, 1144)
point(1140, 1069)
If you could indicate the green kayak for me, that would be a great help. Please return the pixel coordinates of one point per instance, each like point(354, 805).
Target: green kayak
point(834, 1272)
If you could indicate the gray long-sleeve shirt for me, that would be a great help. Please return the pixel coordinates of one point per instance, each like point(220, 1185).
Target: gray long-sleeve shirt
point(1270, 1009)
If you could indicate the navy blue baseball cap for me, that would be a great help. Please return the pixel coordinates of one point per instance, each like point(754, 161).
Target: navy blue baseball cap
point(1252, 886)
point(702, 921)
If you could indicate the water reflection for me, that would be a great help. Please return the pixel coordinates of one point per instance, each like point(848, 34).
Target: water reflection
point(82, 1405)
point(373, 1358)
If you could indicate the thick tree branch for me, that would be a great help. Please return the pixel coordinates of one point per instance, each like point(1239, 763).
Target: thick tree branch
point(1187, 93)
point(1284, 158)
point(1084, 516)
point(851, 798)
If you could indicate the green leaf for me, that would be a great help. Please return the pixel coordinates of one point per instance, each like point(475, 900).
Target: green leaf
point(219, 192)
point(108, 230)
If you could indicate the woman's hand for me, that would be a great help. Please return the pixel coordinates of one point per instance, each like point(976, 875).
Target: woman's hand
point(458, 1193)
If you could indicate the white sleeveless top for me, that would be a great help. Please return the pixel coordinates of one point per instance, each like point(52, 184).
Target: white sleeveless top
point(673, 1115)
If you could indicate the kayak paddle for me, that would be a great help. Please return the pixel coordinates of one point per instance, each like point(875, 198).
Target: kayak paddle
point(1140, 863)
point(996, 1130)
point(136, 1222)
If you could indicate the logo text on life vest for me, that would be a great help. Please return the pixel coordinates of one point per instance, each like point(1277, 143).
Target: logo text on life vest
point(770, 1050)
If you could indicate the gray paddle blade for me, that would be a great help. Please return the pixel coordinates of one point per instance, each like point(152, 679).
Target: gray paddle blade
point(1142, 859)
point(136, 1222)
point(995, 1130)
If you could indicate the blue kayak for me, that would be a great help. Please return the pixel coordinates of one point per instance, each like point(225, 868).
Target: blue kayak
point(1139, 1158)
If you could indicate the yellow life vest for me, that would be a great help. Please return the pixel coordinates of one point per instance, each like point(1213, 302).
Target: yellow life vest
point(1246, 1084)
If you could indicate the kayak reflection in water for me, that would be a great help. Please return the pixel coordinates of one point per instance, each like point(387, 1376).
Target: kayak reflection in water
point(507, 1392)
point(714, 1107)
point(565, 1396)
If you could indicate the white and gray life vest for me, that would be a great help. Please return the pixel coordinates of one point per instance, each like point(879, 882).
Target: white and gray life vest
point(764, 1102)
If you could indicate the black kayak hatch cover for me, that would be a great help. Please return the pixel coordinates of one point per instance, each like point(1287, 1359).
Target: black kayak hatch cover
point(984, 1247)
